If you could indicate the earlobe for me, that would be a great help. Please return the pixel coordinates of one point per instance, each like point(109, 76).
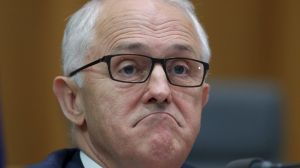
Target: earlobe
point(205, 94)
point(66, 92)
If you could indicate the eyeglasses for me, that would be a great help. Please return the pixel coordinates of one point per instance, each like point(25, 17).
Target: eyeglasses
point(134, 68)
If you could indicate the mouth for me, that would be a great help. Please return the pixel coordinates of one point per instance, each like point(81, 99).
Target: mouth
point(158, 116)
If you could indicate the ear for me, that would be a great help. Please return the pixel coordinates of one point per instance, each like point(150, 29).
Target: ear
point(205, 93)
point(68, 97)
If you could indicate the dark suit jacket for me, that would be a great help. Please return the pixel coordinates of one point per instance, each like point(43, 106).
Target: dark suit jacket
point(67, 158)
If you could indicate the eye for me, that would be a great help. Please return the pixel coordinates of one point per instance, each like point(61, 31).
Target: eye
point(178, 68)
point(127, 69)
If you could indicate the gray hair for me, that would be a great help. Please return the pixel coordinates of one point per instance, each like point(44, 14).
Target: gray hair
point(80, 31)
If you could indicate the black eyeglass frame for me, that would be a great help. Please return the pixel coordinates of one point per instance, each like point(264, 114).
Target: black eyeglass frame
point(161, 61)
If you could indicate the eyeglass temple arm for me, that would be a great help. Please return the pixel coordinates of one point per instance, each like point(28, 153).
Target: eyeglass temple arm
point(85, 66)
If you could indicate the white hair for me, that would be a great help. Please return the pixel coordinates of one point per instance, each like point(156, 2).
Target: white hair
point(189, 9)
point(78, 35)
point(80, 31)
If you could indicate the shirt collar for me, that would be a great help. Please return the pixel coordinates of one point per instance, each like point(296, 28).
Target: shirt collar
point(87, 161)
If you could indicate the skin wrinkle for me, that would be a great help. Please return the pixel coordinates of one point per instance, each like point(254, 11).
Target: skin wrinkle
point(137, 47)
point(130, 105)
point(141, 35)
point(124, 92)
point(176, 91)
point(131, 16)
point(144, 23)
point(157, 30)
point(154, 34)
point(117, 51)
point(104, 121)
point(113, 107)
point(155, 110)
point(117, 41)
point(149, 108)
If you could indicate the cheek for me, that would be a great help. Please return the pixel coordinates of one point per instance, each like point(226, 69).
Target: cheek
point(112, 103)
point(98, 102)
point(190, 104)
point(104, 116)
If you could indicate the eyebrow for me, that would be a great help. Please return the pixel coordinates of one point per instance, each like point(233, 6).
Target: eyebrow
point(131, 47)
point(138, 46)
point(182, 47)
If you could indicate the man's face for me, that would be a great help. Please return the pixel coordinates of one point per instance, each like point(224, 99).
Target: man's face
point(146, 123)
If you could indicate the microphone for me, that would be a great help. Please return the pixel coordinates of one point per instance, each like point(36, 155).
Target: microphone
point(257, 163)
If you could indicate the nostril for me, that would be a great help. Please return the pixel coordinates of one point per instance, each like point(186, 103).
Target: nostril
point(152, 100)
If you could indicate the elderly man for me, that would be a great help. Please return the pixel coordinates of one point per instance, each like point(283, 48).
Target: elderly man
point(134, 84)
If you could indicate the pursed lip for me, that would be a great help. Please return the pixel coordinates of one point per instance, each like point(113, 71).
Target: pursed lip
point(157, 113)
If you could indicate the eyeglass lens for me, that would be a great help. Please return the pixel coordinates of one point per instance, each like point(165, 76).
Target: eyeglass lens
point(135, 68)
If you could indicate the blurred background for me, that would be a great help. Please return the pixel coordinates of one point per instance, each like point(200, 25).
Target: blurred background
point(251, 40)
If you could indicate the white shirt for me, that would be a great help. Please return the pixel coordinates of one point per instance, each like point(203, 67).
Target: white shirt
point(87, 161)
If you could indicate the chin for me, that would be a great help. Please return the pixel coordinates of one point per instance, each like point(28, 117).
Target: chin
point(164, 159)
point(165, 152)
point(157, 149)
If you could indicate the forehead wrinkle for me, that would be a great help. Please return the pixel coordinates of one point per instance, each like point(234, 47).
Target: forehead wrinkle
point(164, 34)
point(116, 42)
point(134, 24)
point(140, 20)
point(156, 17)
point(136, 32)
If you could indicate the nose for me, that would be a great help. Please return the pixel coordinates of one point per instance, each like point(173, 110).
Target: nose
point(158, 88)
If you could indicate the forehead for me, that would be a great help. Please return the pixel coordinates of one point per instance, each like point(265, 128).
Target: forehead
point(138, 20)
point(148, 7)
